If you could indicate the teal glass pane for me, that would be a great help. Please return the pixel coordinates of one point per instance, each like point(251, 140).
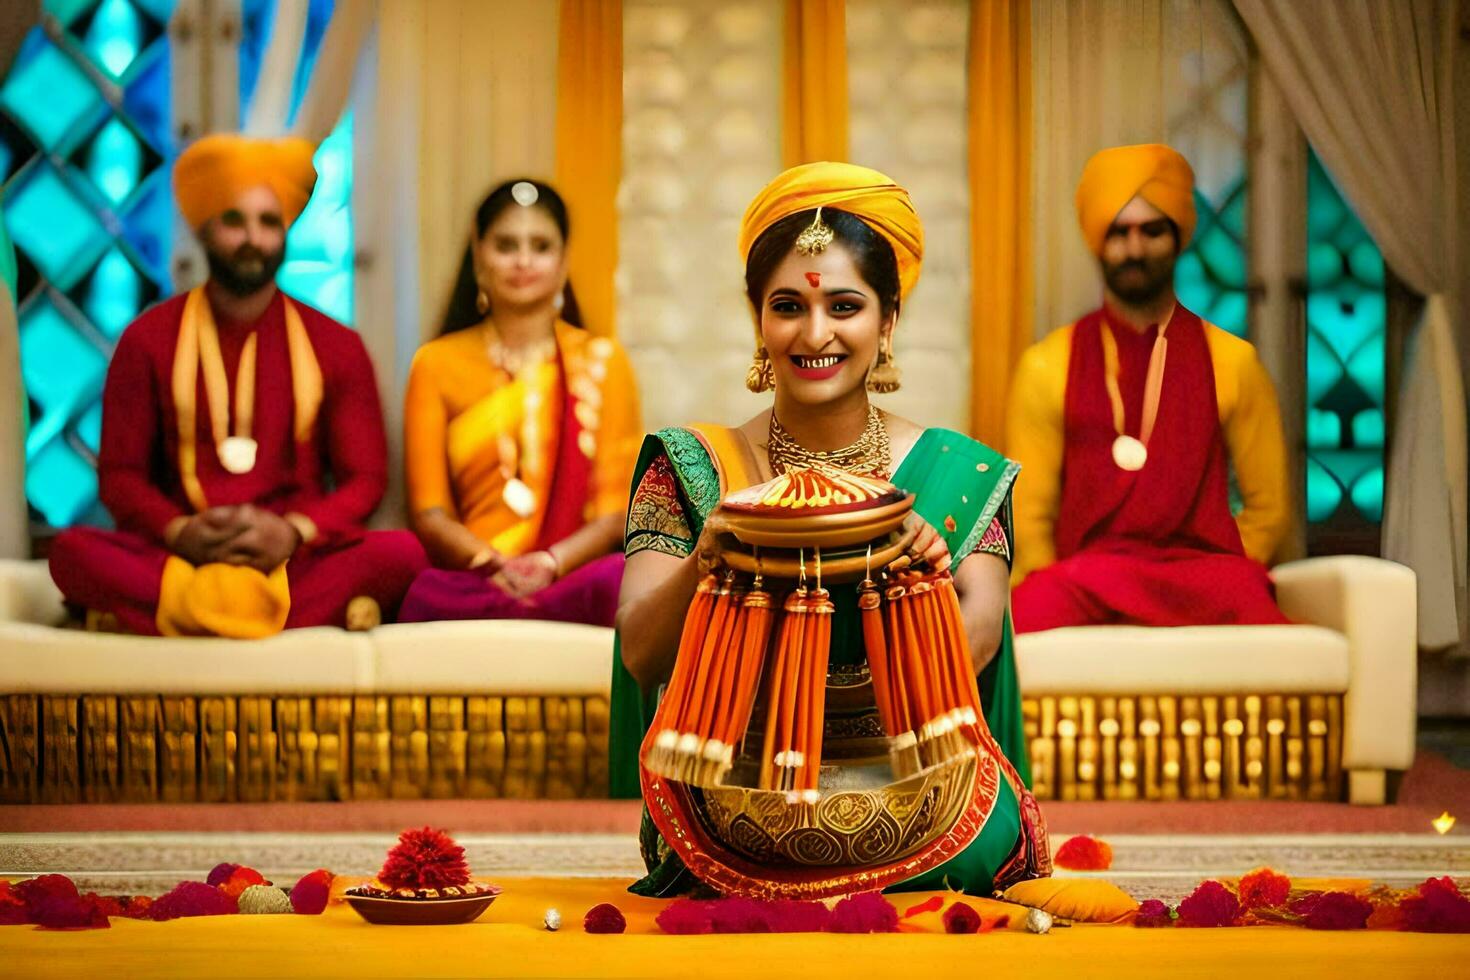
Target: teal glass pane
point(1368, 429)
point(56, 229)
point(1346, 321)
point(115, 37)
point(93, 225)
point(115, 162)
point(319, 250)
point(89, 428)
point(47, 93)
point(67, 12)
point(1367, 494)
point(1324, 429)
point(114, 296)
point(60, 483)
point(1324, 493)
point(1211, 275)
point(62, 370)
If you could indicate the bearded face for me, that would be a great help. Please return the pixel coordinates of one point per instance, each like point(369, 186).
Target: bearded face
point(246, 244)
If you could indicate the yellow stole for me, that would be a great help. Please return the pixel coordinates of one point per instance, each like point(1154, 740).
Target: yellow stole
point(219, 599)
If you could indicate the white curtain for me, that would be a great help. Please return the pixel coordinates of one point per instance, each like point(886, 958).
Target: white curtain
point(15, 532)
point(1112, 72)
point(271, 102)
point(1371, 82)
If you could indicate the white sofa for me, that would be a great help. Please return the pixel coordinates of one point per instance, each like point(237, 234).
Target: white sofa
point(520, 708)
point(1354, 652)
point(435, 709)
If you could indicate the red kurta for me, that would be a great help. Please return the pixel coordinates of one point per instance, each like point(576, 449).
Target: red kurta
point(1156, 547)
point(337, 482)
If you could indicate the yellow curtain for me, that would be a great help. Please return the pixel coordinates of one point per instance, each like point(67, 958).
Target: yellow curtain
point(589, 149)
point(1000, 219)
point(814, 98)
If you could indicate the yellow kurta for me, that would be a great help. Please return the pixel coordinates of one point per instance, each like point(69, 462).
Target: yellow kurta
point(1249, 418)
point(464, 416)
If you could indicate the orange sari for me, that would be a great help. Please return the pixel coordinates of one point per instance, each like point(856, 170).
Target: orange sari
point(470, 428)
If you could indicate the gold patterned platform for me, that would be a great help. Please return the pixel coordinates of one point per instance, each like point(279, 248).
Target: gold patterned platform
point(1227, 747)
point(96, 749)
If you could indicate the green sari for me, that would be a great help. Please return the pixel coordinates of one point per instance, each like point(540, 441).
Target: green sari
point(960, 486)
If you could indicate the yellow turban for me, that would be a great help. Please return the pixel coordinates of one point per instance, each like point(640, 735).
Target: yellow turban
point(212, 173)
point(878, 201)
point(1159, 174)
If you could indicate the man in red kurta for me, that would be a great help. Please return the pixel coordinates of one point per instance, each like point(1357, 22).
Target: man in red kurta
point(242, 438)
point(1127, 425)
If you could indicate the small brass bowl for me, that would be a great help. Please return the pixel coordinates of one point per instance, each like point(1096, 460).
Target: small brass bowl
point(384, 909)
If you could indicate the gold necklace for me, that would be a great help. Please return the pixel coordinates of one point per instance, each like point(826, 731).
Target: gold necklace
point(871, 454)
point(516, 360)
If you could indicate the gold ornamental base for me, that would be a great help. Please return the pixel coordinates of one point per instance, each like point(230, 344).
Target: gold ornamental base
point(1237, 747)
point(103, 749)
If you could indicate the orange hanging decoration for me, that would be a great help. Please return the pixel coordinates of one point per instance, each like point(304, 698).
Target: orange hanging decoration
point(734, 762)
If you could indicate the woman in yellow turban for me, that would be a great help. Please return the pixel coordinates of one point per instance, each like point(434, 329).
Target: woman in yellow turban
point(831, 251)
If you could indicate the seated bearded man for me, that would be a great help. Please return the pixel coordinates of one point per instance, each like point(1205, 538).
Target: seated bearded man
point(1127, 425)
point(242, 439)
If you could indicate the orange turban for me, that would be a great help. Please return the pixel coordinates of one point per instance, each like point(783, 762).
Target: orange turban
point(1159, 174)
point(878, 201)
point(211, 174)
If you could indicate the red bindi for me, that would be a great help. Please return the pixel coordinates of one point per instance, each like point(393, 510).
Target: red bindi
point(815, 278)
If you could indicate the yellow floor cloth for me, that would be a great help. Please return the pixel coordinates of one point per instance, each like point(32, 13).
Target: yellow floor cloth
point(508, 941)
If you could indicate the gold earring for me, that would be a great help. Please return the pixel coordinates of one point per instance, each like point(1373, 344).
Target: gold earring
point(883, 379)
point(482, 301)
point(760, 377)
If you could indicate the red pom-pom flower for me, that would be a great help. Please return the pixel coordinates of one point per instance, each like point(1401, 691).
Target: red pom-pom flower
point(1210, 905)
point(1264, 887)
point(1084, 853)
point(239, 880)
point(220, 873)
point(425, 858)
point(1153, 914)
point(1438, 906)
point(12, 906)
point(604, 919)
point(310, 894)
point(1333, 910)
point(191, 898)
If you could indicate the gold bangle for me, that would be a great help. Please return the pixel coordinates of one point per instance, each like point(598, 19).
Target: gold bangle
point(555, 563)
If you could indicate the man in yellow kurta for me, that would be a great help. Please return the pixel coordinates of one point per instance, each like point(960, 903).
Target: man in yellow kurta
point(1128, 424)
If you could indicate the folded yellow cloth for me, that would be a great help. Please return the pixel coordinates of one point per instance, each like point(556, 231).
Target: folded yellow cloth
point(221, 600)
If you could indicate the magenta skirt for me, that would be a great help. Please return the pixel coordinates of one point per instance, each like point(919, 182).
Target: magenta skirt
point(588, 595)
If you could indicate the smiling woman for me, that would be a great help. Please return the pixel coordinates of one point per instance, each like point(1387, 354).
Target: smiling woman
point(520, 432)
point(831, 252)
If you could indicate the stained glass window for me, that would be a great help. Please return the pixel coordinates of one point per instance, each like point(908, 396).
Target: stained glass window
point(319, 254)
point(1211, 276)
point(1346, 325)
point(84, 155)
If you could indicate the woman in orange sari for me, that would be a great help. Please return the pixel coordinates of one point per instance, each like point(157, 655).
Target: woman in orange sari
point(520, 433)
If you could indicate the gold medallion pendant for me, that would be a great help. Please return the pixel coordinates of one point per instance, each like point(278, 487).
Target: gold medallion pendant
point(1129, 453)
point(237, 454)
